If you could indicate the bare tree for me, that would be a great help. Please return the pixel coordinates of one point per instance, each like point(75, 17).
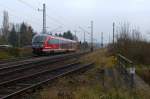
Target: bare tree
point(5, 28)
point(131, 44)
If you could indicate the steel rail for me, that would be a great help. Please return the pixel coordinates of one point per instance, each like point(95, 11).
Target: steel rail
point(39, 68)
point(30, 75)
point(47, 76)
point(29, 60)
point(10, 73)
point(25, 67)
point(11, 69)
point(3, 61)
point(32, 61)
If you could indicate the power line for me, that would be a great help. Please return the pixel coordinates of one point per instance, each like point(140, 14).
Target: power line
point(11, 11)
point(49, 17)
point(53, 19)
point(27, 4)
point(60, 17)
point(39, 3)
point(35, 9)
point(84, 30)
point(32, 7)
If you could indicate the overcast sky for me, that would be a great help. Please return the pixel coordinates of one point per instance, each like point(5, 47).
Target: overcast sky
point(70, 14)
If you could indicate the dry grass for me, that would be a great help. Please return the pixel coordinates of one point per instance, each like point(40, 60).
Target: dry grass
point(144, 73)
point(89, 84)
point(100, 58)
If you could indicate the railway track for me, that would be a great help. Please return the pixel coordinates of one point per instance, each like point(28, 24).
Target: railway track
point(22, 59)
point(15, 59)
point(17, 86)
point(5, 72)
point(35, 60)
point(31, 75)
point(7, 75)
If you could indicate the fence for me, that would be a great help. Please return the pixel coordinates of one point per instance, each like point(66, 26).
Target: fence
point(127, 69)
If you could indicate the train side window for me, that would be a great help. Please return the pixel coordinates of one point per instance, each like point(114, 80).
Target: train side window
point(53, 41)
point(49, 41)
point(39, 39)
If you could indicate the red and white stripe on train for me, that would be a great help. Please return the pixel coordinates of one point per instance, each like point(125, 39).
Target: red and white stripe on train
point(44, 43)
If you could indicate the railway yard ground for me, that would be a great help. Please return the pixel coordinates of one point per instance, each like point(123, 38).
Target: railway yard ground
point(102, 81)
point(14, 53)
point(65, 78)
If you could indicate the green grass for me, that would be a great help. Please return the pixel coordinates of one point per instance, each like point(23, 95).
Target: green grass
point(14, 53)
point(5, 55)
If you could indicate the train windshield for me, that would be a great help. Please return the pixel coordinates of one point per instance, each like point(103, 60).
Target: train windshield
point(39, 39)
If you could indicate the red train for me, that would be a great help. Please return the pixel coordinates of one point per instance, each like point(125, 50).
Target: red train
point(44, 43)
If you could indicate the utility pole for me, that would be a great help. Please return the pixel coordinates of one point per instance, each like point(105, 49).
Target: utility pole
point(75, 33)
point(113, 33)
point(84, 37)
point(102, 40)
point(44, 18)
point(109, 39)
point(19, 39)
point(91, 36)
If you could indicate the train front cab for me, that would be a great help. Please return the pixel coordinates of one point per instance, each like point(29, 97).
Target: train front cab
point(38, 43)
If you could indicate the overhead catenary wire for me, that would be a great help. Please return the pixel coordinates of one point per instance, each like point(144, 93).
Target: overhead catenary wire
point(60, 17)
point(27, 4)
point(84, 30)
point(52, 21)
point(88, 37)
point(56, 20)
point(34, 8)
point(39, 2)
point(11, 11)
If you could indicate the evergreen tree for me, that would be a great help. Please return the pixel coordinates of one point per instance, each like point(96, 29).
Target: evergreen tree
point(60, 35)
point(29, 35)
point(23, 30)
point(68, 35)
point(56, 34)
point(2, 40)
point(12, 38)
point(26, 34)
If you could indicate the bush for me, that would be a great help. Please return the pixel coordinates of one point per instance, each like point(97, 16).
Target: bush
point(132, 45)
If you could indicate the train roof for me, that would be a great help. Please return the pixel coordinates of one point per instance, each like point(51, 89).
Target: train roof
point(56, 37)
